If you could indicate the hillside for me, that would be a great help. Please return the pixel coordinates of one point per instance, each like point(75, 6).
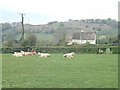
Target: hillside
point(103, 27)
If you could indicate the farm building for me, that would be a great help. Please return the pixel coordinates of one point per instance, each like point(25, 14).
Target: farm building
point(82, 38)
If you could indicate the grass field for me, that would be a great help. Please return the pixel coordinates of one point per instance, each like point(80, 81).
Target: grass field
point(40, 36)
point(82, 71)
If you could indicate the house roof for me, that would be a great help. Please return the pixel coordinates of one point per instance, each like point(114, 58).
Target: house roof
point(84, 35)
point(76, 35)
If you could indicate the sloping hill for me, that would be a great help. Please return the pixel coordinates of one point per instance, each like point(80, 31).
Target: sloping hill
point(103, 27)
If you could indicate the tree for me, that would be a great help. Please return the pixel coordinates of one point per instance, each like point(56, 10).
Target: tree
point(6, 26)
point(25, 43)
point(31, 40)
point(60, 35)
point(9, 40)
point(93, 28)
point(86, 26)
point(113, 40)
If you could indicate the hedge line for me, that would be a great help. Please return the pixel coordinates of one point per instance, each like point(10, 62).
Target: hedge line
point(89, 50)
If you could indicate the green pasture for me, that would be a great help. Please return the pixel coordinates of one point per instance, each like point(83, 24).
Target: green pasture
point(40, 36)
point(81, 71)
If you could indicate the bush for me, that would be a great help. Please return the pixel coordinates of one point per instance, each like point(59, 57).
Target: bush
point(56, 49)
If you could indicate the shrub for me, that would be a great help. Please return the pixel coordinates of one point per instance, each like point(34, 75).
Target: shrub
point(58, 49)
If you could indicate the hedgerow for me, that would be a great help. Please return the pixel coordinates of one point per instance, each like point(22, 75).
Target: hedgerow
point(62, 49)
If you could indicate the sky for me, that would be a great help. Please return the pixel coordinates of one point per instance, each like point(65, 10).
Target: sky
point(44, 11)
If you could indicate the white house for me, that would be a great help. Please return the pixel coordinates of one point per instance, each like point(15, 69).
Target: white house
point(83, 37)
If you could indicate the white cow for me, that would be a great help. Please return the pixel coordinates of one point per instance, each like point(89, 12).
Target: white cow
point(69, 55)
point(101, 51)
point(18, 54)
point(43, 54)
point(28, 53)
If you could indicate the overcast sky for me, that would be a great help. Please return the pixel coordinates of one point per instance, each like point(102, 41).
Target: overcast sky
point(44, 11)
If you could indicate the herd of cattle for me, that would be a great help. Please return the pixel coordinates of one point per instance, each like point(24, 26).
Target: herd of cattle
point(22, 53)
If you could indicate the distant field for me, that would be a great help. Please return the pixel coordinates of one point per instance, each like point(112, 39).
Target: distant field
point(82, 71)
point(40, 36)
